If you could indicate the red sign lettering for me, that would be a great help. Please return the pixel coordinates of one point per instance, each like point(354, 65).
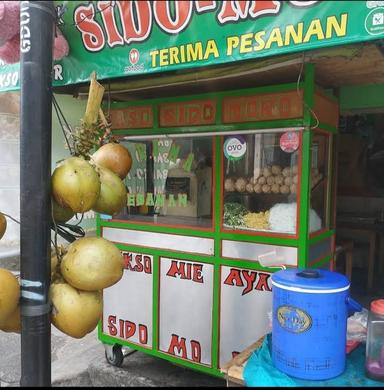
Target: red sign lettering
point(231, 11)
point(205, 5)
point(132, 117)
point(285, 105)
point(135, 31)
point(262, 283)
point(113, 36)
point(111, 325)
point(127, 329)
point(180, 345)
point(183, 13)
point(193, 113)
point(91, 33)
point(186, 271)
point(196, 351)
point(234, 278)
point(137, 263)
point(250, 278)
point(137, 17)
point(253, 280)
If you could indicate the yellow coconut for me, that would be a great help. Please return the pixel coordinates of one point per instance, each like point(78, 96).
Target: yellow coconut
point(92, 263)
point(113, 194)
point(61, 214)
point(9, 293)
point(74, 312)
point(12, 322)
point(3, 225)
point(75, 184)
point(115, 157)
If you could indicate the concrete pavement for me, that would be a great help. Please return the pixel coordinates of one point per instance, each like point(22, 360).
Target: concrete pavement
point(82, 363)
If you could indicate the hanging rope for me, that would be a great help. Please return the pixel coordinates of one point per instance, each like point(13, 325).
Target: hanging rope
point(8, 216)
point(61, 119)
point(109, 100)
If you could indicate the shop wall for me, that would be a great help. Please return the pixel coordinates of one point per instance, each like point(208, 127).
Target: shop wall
point(359, 205)
point(10, 167)
point(73, 110)
point(361, 97)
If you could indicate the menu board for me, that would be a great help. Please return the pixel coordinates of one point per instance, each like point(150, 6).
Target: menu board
point(186, 297)
point(127, 312)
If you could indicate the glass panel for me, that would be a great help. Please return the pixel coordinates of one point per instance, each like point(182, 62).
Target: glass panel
point(260, 182)
point(319, 180)
point(170, 182)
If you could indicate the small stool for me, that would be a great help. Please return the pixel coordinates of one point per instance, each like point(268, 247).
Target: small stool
point(347, 248)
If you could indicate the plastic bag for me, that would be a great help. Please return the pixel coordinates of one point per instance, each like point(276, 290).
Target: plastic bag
point(357, 326)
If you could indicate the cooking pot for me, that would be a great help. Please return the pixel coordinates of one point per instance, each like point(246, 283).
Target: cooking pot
point(309, 322)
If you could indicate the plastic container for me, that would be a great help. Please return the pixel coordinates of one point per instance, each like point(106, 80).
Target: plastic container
point(309, 322)
point(374, 361)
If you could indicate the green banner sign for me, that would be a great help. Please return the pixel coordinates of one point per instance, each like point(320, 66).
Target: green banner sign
point(126, 38)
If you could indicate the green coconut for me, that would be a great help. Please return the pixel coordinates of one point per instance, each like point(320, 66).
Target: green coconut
point(113, 194)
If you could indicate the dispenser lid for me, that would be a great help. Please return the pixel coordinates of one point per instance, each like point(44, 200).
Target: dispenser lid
point(310, 280)
point(377, 306)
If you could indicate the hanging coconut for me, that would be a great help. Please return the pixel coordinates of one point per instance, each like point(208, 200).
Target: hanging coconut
point(13, 322)
point(9, 293)
point(113, 194)
point(61, 214)
point(92, 263)
point(3, 225)
point(115, 157)
point(75, 184)
point(74, 312)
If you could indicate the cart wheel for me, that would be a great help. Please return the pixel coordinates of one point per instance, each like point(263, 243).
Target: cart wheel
point(114, 355)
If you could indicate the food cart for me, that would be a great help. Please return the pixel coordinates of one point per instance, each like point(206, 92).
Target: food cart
point(226, 187)
point(215, 189)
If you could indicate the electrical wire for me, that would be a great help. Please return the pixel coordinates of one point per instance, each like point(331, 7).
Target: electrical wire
point(110, 5)
point(81, 219)
point(8, 216)
point(62, 229)
point(69, 232)
point(298, 92)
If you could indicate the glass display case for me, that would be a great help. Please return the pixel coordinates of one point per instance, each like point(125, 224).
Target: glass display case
point(261, 186)
point(170, 182)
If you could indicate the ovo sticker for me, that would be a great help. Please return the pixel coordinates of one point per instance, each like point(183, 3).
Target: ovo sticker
point(289, 141)
point(235, 148)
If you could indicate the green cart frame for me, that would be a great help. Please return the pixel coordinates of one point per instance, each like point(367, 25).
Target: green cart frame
point(313, 249)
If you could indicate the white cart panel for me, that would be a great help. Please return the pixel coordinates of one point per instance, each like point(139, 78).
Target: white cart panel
point(245, 303)
point(127, 312)
point(186, 299)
